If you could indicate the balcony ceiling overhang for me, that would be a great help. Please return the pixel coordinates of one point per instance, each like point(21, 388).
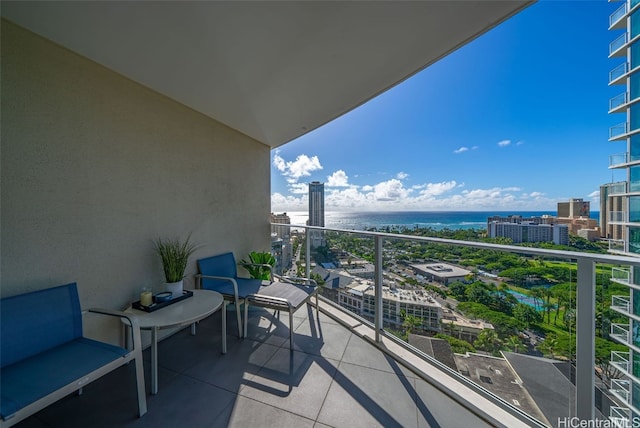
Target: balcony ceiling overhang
point(271, 70)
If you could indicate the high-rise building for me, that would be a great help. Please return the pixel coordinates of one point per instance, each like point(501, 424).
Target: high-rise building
point(574, 208)
point(530, 232)
point(316, 212)
point(622, 201)
point(281, 247)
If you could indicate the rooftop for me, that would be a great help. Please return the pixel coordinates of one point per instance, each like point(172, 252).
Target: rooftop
point(335, 377)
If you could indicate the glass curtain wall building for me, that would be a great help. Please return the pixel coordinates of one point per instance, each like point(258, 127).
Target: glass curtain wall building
point(624, 22)
point(316, 212)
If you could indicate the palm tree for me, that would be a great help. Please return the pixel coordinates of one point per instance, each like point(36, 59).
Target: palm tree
point(514, 343)
point(537, 293)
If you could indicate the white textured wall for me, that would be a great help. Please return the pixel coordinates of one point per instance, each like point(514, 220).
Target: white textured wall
point(95, 167)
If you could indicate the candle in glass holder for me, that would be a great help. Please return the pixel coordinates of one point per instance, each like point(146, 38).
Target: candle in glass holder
point(146, 298)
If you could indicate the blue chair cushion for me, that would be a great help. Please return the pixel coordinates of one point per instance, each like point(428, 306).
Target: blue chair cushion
point(34, 322)
point(245, 286)
point(28, 381)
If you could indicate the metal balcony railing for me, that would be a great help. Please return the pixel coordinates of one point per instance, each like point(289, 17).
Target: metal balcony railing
point(618, 130)
point(620, 303)
point(621, 388)
point(618, 43)
point(620, 417)
point(618, 188)
point(618, 72)
point(621, 333)
point(618, 14)
point(618, 101)
point(620, 275)
point(618, 245)
point(620, 360)
point(378, 243)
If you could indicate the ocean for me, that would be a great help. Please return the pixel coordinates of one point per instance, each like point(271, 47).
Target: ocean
point(437, 220)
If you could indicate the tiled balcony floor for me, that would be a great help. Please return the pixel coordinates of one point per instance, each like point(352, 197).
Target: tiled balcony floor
point(334, 378)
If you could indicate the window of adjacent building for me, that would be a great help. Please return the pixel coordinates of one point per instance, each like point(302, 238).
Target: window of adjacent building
point(634, 209)
point(634, 240)
point(634, 178)
point(635, 22)
point(635, 55)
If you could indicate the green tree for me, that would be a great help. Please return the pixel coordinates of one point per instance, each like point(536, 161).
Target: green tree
point(515, 344)
point(489, 341)
point(526, 315)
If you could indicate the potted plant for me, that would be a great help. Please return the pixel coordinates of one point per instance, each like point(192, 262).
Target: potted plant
point(174, 256)
point(258, 265)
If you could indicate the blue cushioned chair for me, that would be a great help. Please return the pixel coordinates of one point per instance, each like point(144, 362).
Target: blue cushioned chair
point(220, 273)
point(44, 356)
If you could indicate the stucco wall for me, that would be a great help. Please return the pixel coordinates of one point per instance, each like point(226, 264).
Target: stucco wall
point(95, 167)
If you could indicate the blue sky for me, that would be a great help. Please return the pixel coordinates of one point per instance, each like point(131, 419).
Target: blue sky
point(515, 120)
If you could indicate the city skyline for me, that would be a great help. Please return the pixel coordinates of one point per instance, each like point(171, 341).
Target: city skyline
point(514, 120)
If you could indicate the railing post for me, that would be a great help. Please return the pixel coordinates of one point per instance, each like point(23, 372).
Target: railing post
point(307, 256)
point(378, 289)
point(585, 340)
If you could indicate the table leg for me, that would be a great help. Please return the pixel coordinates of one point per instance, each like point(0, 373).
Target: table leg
point(224, 328)
point(154, 361)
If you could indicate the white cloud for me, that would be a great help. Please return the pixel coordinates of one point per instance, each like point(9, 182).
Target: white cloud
point(391, 190)
point(504, 143)
point(595, 194)
point(338, 179)
point(461, 150)
point(536, 194)
point(402, 175)
point(519, 143)
point(299, 188)
point(303, 166)
point(435, 189)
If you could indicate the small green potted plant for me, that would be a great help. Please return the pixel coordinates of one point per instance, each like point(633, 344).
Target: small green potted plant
point(174, 255)
point(259, 265)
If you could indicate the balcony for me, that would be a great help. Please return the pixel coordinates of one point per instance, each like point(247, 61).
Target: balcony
point(620, 416)
point(620, 275)
point(620, 304)
point(618, 103)
point(619, 160)
point(617, 76)
point(621, 388)
point(618, 188)
point(619, 131)
point(618, 246)
point(620, 332)
point(620, 360)
point(335, 377)
point(616, 47)
point(616, 21)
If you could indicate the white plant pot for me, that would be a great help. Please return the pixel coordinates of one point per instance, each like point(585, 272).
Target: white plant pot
point(175, 288)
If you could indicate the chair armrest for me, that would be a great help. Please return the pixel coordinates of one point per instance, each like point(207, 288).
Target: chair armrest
point(131, 319)
point(200, 276)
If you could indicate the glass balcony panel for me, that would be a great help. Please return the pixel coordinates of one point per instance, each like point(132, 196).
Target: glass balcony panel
point(618, 130)
point(620, 274)
point(621, 361)
point(618, 189)
point(617, 216)
point(618, 43)
point(621, 388)
point(620, 332)
point(618, 72)
point(416, 289)
point(618, 101)
point(620, 303)
point(620, 416)
point(618, 245)
point(618, 14)
point(618, 159)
